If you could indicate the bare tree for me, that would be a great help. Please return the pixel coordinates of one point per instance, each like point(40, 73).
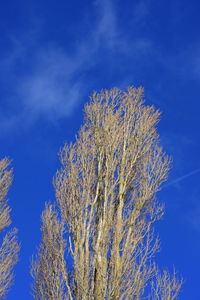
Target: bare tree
point(9, 248)
point(106, 196)
point(49, 268)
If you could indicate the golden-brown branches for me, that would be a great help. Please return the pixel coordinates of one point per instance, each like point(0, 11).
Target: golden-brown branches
point(106, 191)
point(49, 268)
point(10, 248)
point(165, 286)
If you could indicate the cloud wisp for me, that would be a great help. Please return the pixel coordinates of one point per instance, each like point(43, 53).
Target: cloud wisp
point(57, 82)
point(179, 179)
point(53, 82)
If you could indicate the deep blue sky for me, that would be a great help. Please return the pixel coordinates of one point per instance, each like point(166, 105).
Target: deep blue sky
point(53, 54)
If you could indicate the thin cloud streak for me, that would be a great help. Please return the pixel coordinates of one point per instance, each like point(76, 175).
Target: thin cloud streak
point(181, 178)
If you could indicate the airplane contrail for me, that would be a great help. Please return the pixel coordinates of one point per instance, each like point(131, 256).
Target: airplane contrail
point(181, 178)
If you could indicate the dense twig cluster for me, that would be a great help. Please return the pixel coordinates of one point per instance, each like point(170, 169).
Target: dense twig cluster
point(105, 193)
point(9, 248)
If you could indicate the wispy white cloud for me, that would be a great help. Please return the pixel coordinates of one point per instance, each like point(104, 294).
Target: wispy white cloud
point(54, 84)
point(54, 81)
point(181, 178)
point(50, 89)
point(107, 30)
point(54, 87)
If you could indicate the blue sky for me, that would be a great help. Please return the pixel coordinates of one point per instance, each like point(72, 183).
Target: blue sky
point(53, 54)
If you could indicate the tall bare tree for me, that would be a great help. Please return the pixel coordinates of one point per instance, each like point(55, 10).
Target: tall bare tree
point(9, 248)
point(106, 196)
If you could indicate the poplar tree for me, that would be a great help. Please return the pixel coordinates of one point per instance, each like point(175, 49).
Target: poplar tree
point(106, 207)
point(9, 247)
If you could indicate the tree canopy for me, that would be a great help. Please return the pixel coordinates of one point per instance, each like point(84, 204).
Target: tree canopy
point(106, 206)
